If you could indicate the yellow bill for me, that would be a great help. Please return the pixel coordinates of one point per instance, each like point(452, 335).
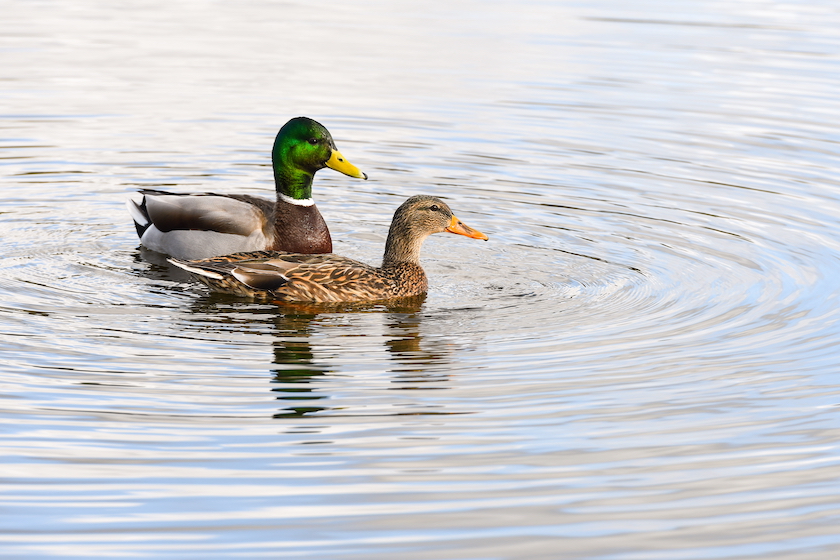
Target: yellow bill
point(341, 165)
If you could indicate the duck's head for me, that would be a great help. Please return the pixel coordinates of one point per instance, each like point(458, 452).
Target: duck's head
point(416, 219)
point(305, 146)
point(429, 214)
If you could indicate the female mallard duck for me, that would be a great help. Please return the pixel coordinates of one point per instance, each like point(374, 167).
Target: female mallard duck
point(331, 278)
point(199, 226)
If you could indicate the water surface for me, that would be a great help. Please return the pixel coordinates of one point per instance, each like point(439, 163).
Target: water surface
point(640, 363)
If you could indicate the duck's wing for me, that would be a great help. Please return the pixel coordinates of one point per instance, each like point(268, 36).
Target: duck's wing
point(193, 226)
point(293, 270)
point(235, 214)
point(291, 276)
point(261, 270)
point(330, 278)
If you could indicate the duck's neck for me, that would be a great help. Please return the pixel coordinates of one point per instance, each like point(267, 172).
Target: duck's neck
point(401, 263)
point(300, 229)
point(293, 185)
point(403, 247)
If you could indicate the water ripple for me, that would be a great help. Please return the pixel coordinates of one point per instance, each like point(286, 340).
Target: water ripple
point(640, 363)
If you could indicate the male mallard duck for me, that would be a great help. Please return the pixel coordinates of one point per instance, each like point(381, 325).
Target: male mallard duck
point(331, 278)
point(199, 226)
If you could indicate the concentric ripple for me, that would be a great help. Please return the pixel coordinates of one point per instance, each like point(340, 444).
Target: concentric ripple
point(640, 362)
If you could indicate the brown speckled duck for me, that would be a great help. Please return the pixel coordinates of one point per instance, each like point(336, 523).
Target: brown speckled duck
point(296, 277)
point(199, 226)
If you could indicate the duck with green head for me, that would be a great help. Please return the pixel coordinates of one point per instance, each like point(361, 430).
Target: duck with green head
point(200, 226)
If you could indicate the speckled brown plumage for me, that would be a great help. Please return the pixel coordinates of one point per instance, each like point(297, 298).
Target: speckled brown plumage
point(331, 278)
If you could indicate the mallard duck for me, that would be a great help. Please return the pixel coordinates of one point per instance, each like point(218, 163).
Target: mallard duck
point(333, 279)
point(199, 226)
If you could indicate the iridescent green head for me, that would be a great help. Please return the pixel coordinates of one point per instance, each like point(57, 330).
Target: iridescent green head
point(301, 148)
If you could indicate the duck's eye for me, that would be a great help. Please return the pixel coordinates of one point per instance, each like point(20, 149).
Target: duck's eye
point(313, 141)
point(434, 208)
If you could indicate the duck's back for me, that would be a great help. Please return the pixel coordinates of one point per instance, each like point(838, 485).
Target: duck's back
point(326, 278)
point(206, 225)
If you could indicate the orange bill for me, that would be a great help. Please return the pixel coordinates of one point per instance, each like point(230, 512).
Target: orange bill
point(457, 226)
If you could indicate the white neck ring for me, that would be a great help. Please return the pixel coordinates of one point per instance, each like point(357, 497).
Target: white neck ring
point(295, 201)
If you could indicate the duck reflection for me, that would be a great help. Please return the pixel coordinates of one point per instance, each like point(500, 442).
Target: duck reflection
point(300, 373)
point(296, 365)
point(154, 266)
point(417, 365)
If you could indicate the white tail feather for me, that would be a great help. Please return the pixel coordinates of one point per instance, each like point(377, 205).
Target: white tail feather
point(196, 270)
point(134, 208)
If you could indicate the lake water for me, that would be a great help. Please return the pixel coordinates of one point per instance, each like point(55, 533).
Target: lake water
point(641, 363)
